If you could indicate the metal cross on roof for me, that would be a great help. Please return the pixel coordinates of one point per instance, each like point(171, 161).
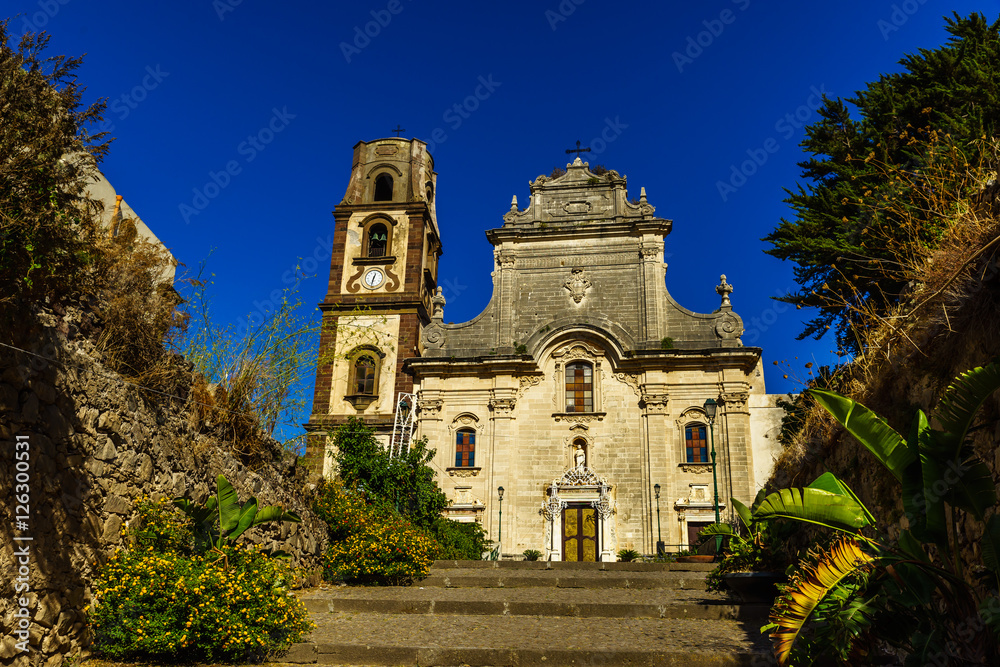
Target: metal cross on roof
point(398, 129)
point(577, 150)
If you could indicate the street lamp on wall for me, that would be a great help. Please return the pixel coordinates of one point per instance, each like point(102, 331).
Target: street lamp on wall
point(500, 522)
point(661, 548)
point(711, 408)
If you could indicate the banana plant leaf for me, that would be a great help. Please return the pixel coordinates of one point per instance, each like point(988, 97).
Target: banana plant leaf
point(872, 431)
point(816, 582)
point(744, 513)
point(812, 505)
point(963, 398)
point(830, 482)
point(723, 529)
point(991, 544)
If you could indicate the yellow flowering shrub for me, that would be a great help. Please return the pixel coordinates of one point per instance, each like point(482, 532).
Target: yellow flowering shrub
point(369, 543)
point(169, 605)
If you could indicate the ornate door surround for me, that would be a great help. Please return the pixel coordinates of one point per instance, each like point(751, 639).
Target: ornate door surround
point(581, 491)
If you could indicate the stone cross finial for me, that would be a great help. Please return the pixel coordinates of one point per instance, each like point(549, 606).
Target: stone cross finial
point(724, 289)
point(438, 303)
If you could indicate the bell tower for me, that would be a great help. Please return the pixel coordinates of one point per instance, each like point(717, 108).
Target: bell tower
point(383, 273)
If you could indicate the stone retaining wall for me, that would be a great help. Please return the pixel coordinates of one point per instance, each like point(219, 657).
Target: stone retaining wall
point(95, 445)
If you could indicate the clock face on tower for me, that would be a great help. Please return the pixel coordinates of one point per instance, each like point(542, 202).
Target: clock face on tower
point(373, 278)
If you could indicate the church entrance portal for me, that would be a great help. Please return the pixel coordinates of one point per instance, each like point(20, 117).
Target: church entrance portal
point(579, 533)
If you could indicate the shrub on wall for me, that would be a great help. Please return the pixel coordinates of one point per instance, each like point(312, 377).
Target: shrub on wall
point(155, 600)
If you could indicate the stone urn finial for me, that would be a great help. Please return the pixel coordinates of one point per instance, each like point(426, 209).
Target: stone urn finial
point(438, 303)
point(724, 289)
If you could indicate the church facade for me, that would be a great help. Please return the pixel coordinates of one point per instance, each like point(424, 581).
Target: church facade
point(580, 390)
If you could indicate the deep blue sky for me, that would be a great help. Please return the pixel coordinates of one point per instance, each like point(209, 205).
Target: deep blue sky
point(560, 72)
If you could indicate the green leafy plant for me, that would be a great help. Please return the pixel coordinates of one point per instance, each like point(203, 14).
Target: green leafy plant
point(155, 600)
point(753, 546)
point(458, 541)
point(920, 596)
point(532, 554)
point(404, 483)
point(628, 555)
point(667, 343)
point(223, 519)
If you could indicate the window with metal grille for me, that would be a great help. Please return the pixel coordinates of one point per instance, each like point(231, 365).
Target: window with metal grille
point(465, 448)
point(364, 375)
point(697, 445)
point(579, 387)
point(378, 237)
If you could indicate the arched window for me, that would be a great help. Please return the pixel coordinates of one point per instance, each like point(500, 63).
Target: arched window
point(579, 387)
point(378, 237)
point(365, 369)
point(383, 188)
point(696, 443)
point(465, 448)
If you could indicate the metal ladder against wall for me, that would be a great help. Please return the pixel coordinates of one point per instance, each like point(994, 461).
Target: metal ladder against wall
point(402, 425)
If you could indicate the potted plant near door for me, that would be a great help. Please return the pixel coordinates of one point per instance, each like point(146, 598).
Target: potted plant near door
point(754, 560)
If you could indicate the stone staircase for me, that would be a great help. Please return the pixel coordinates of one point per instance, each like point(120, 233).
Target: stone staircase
point(517, 613)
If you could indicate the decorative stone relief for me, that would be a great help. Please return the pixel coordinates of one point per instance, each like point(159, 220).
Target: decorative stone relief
point(463, 472)
point(430, 408)
point(432, 337)
point(729, 326)
point(736, 401)
point(577, 351)
point(502, 406)
point(582, 418)
point(632, 380)
point(696, 468)
point(505, 259)
point(651, 250)
point(655, 403)
point(577, 285)
point(526, 382)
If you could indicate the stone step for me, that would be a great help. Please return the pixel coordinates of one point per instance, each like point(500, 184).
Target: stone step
point(575, 602)
point(483, 578)
point(568, 565)
point(473, 640)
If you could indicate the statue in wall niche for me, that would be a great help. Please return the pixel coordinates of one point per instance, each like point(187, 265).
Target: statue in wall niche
point(580, 456)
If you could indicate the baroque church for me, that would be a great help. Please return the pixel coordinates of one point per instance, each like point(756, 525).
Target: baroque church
point(584, 390)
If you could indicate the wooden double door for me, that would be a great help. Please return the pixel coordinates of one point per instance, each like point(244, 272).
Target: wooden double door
point(580, 533)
